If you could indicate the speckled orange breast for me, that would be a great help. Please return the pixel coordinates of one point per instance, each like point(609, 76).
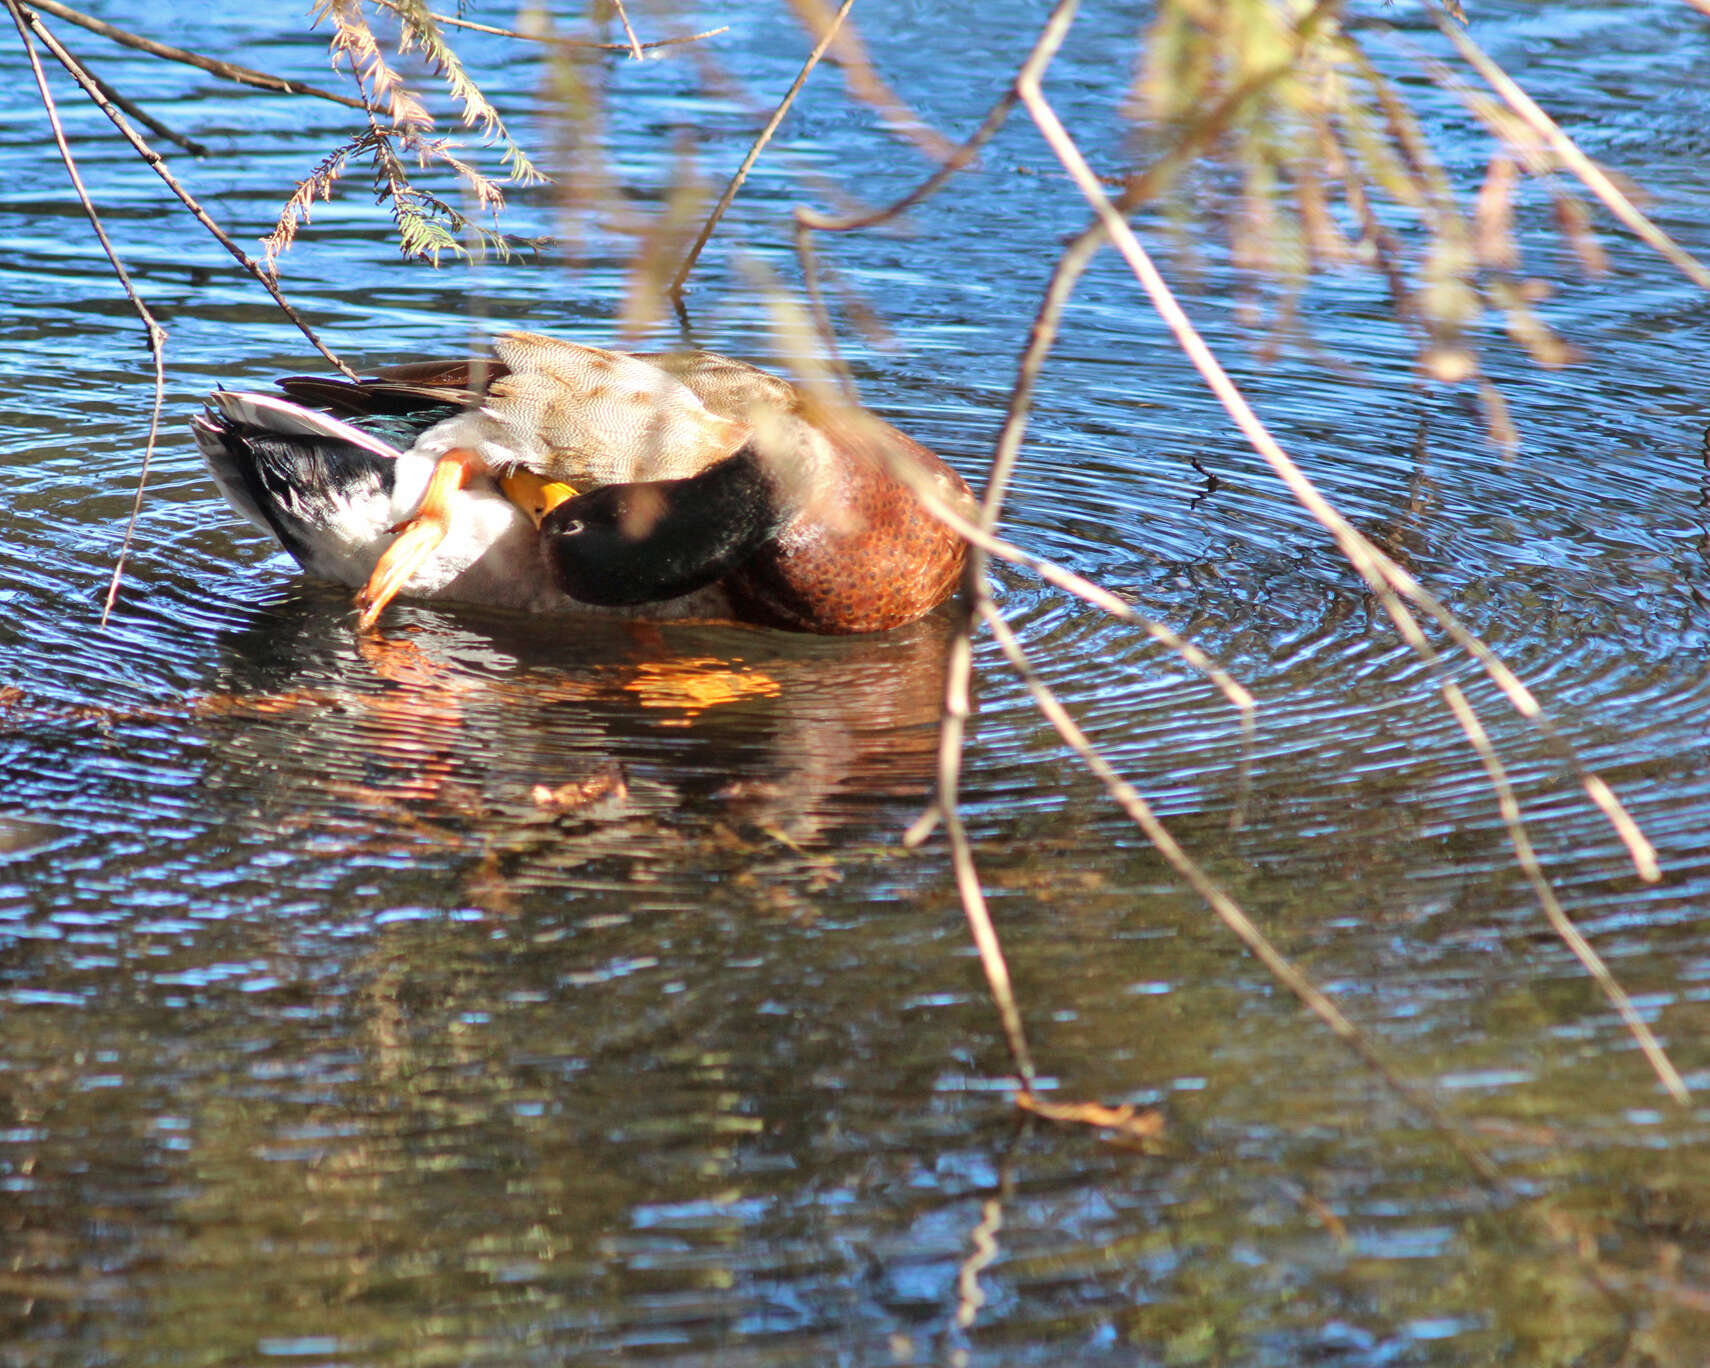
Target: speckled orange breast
point(865, 558)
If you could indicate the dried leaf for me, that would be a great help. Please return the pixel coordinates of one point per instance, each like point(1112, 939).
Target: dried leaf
point(1574, 221)
point(1527, 329)
point(1496, 420)
point(580, 793)
point(1493, 215)
point(1451, 365)
point(1127, 1120)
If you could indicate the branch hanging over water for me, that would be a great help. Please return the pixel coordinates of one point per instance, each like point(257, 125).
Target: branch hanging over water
point(228, 71)
point(1385, 578)
point(765, 136)
point(158, 163)
point(1594, 177)
point(155, 334)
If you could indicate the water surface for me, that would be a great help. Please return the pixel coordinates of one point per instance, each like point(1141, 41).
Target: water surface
point(326, 1042)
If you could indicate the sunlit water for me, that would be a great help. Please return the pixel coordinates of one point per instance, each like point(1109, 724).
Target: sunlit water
point(326, 1042)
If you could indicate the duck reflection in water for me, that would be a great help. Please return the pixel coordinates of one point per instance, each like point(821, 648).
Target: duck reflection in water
point(466, 733)
point(564, 478)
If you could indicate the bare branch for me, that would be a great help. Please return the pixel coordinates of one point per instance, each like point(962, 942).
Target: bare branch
point(155, 334)
point(866, 85)
point(961, 157)
point(1593, 176)
point(1227, 909)
point(1563, 925)
point(1387, 580)
point(623, 18)
point(155, 160)
point(142, 116)
point(724, 201)
point(953, 731)
point(227, 71)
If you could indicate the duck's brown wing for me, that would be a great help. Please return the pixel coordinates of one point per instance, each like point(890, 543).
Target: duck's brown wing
point(728, 388)
point(568, 412)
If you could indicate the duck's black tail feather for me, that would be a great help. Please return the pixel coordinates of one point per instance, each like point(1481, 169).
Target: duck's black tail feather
point(294, 487)
point(295, 472)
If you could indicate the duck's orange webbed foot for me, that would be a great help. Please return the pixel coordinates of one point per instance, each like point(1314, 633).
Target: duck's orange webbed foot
point(418, 536)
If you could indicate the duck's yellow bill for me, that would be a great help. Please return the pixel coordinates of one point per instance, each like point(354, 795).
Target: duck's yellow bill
point(535, 496)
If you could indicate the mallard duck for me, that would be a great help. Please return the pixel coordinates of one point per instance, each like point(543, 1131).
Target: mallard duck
point(562, 477)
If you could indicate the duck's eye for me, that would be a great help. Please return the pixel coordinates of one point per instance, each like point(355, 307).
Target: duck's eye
point(572, 527)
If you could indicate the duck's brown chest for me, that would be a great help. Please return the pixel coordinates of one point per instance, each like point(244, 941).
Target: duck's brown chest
point(866, 558)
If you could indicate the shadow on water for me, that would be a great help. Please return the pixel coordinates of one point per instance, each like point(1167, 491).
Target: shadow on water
point(495, 991)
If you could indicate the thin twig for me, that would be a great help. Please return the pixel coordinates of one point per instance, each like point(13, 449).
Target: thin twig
point(1520, 698)
point(147, 120)
point(155, 333)
point(227, 71)
point(1141, 186)
point(959, 657)
point(155, 160)
point(807, 221)
point(623, 18)
point(1067, 580)
point(724, 201)
point(1071, 264)
point(957, 703)
point(1227, 909)
point(1563, 925)
point(553, 40)
point(866, 85)
point(822, 323)
point(1386, 578)
point(960, 158)
point(982, 543)
point(1388, 581)
point(953, 727)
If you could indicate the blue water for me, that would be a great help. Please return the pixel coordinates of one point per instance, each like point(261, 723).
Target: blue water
point(326, 1042)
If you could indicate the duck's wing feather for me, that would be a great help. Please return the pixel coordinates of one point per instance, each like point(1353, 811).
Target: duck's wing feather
point(332, 495)
point(590, 417)
point(411, 387)
point(584, 415)
point(282, 417)
point(730, 388)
